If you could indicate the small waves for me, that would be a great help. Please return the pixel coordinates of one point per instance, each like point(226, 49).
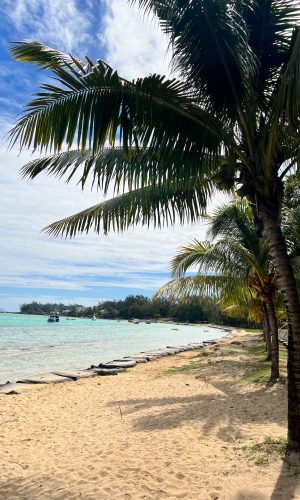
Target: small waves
point(19, 351)
point(30, 347)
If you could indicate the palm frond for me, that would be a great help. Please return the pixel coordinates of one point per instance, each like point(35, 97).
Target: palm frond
point(237, 220)
point(239, 257)
point(189, 256)
point(209, 258)
point(244, 306)
point(234, 218)
point(90, 109)
point(283, 124)
point(227, 256)
point(269, 26)
point(123, 169)
point(39, 54)
point(210, 285)
point(156, 205)
point(210, 46)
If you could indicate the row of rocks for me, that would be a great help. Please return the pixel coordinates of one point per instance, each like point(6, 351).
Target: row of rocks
point(110, 368)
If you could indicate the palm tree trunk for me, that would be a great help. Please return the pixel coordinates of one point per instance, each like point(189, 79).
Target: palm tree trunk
point(268, 217)
point(267, 334)
point(274, 337)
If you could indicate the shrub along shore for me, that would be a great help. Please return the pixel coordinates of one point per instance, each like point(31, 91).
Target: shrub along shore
point(193, 309)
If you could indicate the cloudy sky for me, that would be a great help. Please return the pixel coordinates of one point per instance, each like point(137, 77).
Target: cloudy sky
point(90, 268)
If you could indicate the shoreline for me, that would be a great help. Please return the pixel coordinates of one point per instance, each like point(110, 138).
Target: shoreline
point(68, 375)
point(189, 426)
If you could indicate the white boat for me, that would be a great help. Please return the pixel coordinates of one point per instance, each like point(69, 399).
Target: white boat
point(53, 317)
point(94, 318)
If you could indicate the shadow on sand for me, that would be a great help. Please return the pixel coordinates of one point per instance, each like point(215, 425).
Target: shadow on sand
point(288, 479)
point(225, 412)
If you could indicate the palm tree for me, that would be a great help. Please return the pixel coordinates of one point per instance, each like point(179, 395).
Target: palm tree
point(237, 267)
point(231, 117)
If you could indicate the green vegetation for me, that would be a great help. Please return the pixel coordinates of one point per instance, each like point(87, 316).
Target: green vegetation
point(258, 371)
point(263, 453)
point(193, 310)
point(257, 348)
point(234, 265)
point(193, 367)
point(246, 362)
point(39, 308)
point(257, 374)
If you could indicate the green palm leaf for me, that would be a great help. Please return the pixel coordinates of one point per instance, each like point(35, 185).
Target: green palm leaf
point(238, 257)
point(209, 41)
point(208, 258)
point(188, 286)
point(98, 106)
point(123, 169)
point(237, 251)
point(269, 24)
point(285, 111)
point(158, 205)
point(237, 220)
point(37, 53)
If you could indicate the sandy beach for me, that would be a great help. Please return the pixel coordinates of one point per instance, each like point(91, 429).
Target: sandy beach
point(186, 426)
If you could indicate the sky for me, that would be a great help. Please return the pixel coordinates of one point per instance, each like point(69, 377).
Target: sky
point(89, 268)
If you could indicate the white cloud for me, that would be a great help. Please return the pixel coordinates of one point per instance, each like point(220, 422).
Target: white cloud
point(135, 45)
point(65, 24)
point(28, 259)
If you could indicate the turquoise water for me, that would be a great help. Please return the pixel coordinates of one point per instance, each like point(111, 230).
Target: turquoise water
point(29, 345)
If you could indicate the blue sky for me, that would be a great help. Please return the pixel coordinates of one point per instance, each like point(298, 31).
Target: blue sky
point(90, 268)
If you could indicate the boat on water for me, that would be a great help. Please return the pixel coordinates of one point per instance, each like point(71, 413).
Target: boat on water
point(53, 317)
point(94, 318)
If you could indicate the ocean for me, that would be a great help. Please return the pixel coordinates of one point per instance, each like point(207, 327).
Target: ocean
point(29, 345)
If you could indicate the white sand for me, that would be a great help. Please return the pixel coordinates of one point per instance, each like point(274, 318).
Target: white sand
point(145, 435)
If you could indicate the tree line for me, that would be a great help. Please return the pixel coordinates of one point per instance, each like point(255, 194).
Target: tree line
point(193, 309)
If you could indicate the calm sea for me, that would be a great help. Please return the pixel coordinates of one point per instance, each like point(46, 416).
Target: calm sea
point(29, 345)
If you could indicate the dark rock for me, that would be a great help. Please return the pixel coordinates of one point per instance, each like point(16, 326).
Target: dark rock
point(15, 388)
point(48, 378)
point(105, 371)
point(119, 363)
point(74, 374)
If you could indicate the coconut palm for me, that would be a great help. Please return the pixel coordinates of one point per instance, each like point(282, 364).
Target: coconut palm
point(231, 117)
point(237, 267)
point(234, 297)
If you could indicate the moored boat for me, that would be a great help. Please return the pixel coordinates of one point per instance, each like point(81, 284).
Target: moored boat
point(53, 317)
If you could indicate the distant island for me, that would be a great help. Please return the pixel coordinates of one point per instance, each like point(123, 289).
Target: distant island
point(192, 310)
